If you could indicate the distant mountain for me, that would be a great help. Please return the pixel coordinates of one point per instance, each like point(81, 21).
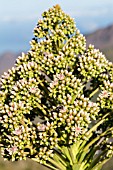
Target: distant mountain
point(103, 39)
point(7, 60)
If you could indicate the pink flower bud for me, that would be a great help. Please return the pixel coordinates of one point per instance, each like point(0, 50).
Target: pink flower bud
point(104, 94)
point(42, 127)
point(60, 76)
point(12, 150)
point(17, 131)
point(9, 114)
point(33, 89)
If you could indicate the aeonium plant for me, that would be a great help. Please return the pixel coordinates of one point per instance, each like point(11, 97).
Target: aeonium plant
point(56, 103)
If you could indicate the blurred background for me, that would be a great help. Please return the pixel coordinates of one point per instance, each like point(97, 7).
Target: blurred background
point(18, 18)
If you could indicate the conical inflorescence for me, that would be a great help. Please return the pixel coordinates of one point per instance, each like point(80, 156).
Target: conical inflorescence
point(54, 94)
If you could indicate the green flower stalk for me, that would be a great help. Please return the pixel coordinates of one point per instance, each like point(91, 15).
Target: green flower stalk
point(57, 101)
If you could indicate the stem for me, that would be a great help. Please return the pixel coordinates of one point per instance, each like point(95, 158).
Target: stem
point(71, 155)
point(86, 148)
point(68, 41)
point(99, 166)
point(99, 123)
point(41, 108)
point(67, 154)
point(93, 129)
point(74, 96)
point(75, 149)
point(96, 139)
point(96, 160)
point(94, 92)
point(91, 153)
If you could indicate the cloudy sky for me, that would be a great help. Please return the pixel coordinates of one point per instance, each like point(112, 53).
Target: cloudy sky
point(18, 18)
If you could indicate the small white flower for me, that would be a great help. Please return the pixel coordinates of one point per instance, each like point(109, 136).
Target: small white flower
point(31, 64)
point(15, 88)
point(60, 76)
point(9, 114)
point(41, 127)
point(77, 129)
point(33, 89)
point(90, 104)
point(104, 94)
point(6, 75)
point(12, 150)
point(21, 104)
point(63, 110)
point(111, 85)
point(55, 82)
point(32, 80)
point(17, 131)
point(54, 115)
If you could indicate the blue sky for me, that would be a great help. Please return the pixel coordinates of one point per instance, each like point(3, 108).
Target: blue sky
point(18, 18)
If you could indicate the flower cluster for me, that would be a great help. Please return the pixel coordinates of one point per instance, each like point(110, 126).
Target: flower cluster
point(72, 121)
point(57, 41)
point(65, 86)
point(92, 63)
point(48, 101)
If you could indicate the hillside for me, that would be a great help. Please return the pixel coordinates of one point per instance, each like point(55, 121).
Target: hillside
point(7, 60)
point(103, 39)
